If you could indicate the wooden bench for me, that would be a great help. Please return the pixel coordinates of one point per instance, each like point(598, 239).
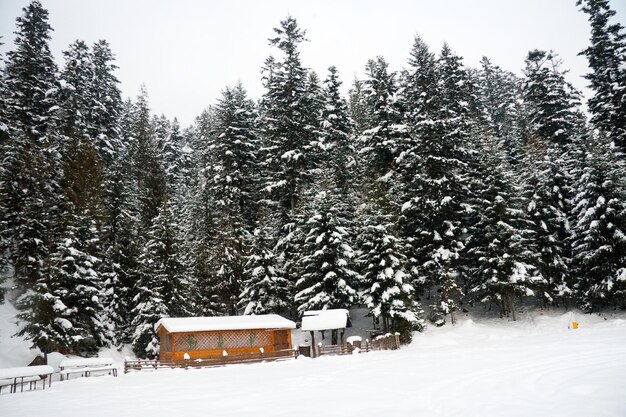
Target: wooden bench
point(85, 366)
point(25, 375)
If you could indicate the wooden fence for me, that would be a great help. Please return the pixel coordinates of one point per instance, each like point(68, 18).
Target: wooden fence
point(138, 365)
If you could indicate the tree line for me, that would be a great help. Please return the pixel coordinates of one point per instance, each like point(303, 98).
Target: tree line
point(424, 190)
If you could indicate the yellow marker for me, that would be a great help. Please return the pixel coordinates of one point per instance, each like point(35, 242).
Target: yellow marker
point(574, 325)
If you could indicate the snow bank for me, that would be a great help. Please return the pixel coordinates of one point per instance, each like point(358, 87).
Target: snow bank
point(491, 367)
point(14, 350)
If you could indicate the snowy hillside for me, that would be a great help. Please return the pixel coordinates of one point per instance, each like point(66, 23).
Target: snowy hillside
point(535, 367)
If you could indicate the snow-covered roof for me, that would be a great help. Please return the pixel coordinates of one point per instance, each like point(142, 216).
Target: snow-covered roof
point(207, 324)
point(325, 319)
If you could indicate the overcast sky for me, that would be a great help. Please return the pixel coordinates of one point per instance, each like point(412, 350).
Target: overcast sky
point(187, 51)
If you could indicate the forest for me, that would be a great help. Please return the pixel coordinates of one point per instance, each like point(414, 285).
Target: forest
point(423, 192)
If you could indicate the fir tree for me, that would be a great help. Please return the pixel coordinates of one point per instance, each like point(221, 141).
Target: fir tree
point(380, 141)
point(230, 182)
point(327, 266)
point(433, 217)
point(148, 170)
point(387, 292)
point(607, 59)
point(501, 239)
point(161, 287)
point(599, 228)
point(29, 186)
point(552, 100)
point(265, 289)
point(107, 106)
point(288, 119)
point(336, 136)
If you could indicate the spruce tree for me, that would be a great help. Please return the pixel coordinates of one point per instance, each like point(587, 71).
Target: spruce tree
point(599, 228)
point(230, 182)
point(336, 137)
point(288, 119)
point(30, 172)
point(265, 288)
point(328, 276)
point(380, 142)
point(386, 289)
point(501, 241)
point(107, 106)
point(607, 60)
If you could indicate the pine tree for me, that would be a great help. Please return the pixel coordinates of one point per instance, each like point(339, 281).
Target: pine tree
point(555, 125)
point(387, 292)
point(380, 142)
point(288, 119)
point(336, 136)
point(29, 187)
point(148, 170)
point(265, 289)
point(607, 60)
point(552, 100)
point(107, 106)
point(599, 228)
point(501, 240)
point(161, 288)
point(327, 265)
point(433, 217)
point(230, 182)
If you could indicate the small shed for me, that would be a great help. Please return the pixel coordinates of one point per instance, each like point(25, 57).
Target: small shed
point(323, 320)
point(207, 337)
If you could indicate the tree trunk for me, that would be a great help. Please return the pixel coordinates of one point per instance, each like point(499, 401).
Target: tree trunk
point(512, 307)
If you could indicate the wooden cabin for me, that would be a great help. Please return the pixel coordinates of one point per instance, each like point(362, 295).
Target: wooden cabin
point(210, 337)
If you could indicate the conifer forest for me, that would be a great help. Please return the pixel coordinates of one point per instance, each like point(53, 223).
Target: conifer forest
point(419, 194)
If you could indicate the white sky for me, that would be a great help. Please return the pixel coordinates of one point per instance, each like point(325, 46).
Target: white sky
point(187, 51)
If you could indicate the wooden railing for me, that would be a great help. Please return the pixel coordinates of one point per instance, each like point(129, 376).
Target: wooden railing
point(138, 365)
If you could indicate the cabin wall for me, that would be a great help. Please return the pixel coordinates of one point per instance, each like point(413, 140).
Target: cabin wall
point(235, 342)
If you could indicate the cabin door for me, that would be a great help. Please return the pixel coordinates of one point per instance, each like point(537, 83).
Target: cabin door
point(281, 340)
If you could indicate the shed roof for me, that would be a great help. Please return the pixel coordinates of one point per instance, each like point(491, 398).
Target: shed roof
point(326, 319)
point(207, 324)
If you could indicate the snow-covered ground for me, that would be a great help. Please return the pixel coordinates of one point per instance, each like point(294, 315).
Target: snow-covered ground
point(534, 367)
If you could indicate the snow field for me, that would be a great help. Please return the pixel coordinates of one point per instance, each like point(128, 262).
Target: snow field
point(534, 367)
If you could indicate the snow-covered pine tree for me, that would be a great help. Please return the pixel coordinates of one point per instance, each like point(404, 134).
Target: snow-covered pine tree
point(287, 119)
point(599, 227)
point(231, 182)
point(290, 123)
point(29, 197)
point(77, 255)
point(265, 288)
point(555, 126)
point(336, 137)
point(550, 98)
point(161, 290)
point(607, 59)
point(198, 222)
point(326, 266)
point(386, 289)
point(105, 114)
point(380, 142)
point(433, 218)
point(148, 170)
point(500, 243)
point(417, 96)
